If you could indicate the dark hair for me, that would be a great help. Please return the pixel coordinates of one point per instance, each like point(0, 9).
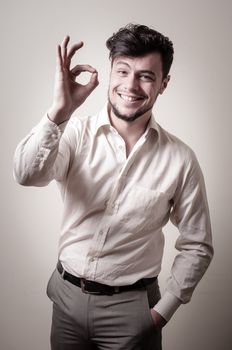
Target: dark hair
point(137, 40)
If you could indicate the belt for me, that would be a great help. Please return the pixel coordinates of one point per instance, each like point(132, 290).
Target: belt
point(92, 287)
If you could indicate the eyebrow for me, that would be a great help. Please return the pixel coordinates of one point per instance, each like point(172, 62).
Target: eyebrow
point(147, 71)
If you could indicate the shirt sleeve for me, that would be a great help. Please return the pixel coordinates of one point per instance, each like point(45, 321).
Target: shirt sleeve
point(44, 154)
point(190, 214)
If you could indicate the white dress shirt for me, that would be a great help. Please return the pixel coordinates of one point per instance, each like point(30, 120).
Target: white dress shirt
point(116, 206)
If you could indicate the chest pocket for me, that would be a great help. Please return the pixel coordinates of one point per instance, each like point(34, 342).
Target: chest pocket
point(145, 209)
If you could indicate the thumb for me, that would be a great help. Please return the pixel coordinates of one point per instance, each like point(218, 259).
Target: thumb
point(93, 83)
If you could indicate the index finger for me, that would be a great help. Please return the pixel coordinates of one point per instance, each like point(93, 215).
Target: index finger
point(83, 68)
point(72, 51)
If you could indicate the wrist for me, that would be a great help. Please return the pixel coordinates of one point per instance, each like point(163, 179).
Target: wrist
point(167, 305)
point(58, 116)
point(158, 319)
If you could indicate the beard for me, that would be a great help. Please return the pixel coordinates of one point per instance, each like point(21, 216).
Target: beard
point(129, 117)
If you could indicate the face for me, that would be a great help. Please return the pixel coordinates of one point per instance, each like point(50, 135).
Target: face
point(135, 83)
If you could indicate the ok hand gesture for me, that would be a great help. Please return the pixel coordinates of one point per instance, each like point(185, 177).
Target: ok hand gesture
point(68, 93)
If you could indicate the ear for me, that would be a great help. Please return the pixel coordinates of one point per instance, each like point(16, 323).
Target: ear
point(164, 84)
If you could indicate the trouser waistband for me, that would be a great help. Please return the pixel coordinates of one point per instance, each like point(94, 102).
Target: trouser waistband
point(92, 287)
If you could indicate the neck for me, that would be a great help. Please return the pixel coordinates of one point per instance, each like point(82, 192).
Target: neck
point(130, 131)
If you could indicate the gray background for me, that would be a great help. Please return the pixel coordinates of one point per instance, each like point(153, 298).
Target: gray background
point(195, 107)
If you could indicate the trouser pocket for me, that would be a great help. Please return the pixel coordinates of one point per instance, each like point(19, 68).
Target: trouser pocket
point(51, 285)
point(151, 297)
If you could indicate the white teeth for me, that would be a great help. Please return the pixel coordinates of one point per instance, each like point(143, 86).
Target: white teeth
point(129, 98)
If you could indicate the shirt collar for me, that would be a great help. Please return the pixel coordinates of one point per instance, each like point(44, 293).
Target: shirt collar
point(152, 124)
point(103, 120)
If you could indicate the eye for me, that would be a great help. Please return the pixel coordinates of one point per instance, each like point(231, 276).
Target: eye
point(122, 72)
point(146, 77)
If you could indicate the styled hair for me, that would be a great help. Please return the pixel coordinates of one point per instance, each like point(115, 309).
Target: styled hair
point(136, 40)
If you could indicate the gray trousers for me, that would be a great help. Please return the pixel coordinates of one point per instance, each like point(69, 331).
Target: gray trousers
point(102, 322)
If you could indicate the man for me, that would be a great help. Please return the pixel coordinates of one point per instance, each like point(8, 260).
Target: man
point(121, 178)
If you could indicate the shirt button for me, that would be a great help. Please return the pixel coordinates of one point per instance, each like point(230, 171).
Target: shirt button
point(114, 206)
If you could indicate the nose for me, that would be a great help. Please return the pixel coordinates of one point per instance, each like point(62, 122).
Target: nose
point(131, 83)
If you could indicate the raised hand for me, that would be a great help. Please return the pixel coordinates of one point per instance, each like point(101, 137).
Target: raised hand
point(68, 93)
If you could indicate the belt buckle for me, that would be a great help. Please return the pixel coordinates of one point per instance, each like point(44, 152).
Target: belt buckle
point(84, 290)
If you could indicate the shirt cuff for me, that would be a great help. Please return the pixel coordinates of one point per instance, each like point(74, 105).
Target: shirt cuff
point(60, 126)
point(167, 305)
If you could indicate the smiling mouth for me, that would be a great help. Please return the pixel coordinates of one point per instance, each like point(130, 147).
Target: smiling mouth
point(129, 98)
